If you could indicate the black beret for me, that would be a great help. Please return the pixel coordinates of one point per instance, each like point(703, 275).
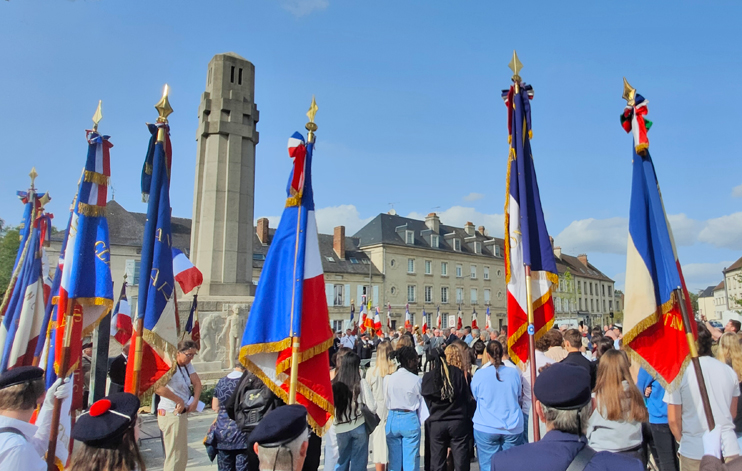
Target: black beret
point(87, 345)
point(20, 375)
point(563, 386)
point(280, 426)
point(104, 424)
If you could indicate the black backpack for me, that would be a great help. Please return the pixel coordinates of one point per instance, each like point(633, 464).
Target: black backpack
point(249, 403)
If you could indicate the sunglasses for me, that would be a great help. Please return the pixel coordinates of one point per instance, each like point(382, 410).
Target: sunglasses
point(189, 355)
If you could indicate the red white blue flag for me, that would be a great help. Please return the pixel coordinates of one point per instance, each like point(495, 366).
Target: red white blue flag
point(653, 324)
point(156, 303)
point(425, 322)
point(527, 241)
point(474, 324)
point(377, 322)
point(290, 301)
point(186, 274)
point(121, 325)
point(438, 320)
point(407, 317)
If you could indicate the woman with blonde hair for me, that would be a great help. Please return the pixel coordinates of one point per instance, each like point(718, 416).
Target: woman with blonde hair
point(457, 354)
point(616, 422)
point(383, 367)
point(730, 352)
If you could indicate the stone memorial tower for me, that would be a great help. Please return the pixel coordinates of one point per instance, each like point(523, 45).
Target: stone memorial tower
point(224, 190)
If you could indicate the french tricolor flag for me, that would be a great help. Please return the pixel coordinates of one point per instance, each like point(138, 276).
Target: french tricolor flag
point(186, 274)
point(290, 303)
point(121, 325)
point(377, 322)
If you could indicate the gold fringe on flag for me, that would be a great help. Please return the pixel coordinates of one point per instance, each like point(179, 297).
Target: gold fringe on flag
point(91, 210)
point(95, 177)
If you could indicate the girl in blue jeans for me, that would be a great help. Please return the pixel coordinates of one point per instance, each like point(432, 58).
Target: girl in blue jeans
point(498, 420)
point(403, 397)
point(350, 392)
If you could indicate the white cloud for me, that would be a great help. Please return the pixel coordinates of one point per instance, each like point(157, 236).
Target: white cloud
point(594, 235)
point(723, 232)
point(457, 216)
point(473, 197)
point(328, 218)
point(737, 191)
point(684, 229)
point(701, 275)
point(300, 8)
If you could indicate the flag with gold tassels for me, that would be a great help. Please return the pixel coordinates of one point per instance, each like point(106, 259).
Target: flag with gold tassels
point(288, 333)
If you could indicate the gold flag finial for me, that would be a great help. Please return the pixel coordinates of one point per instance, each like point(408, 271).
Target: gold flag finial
point(311, 126)
point(33, 174)
point(163, 107)
point(515, 65)
point(629, 93)
point(98, 115)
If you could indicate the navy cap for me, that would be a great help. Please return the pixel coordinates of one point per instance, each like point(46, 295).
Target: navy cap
point(280, 426)
point(20, 375)
point(563, 386)
point(104, 424)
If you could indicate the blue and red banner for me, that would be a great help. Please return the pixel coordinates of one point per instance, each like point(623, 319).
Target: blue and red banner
point(653, 325)
point(290, 301)
point(527, 241)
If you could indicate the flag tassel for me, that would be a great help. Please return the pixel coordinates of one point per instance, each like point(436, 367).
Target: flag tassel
point(694, 359)
point(51, 454)
point(532, 352)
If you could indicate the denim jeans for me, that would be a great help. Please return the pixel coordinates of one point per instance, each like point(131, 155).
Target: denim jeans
point(403, 440)
point(664, 447)
point(525, 428)
point(353, 450)
point(490, 443)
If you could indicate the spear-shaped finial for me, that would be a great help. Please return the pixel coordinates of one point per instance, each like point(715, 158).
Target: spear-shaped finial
point(515, 65)
point(33, 174)
point(163, 107)
point(629, 93)
point(98, 115)
point(311, 126)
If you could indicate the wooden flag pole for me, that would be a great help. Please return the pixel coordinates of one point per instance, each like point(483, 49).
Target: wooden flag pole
point(51, 454)
point(532, 354)
point(694, 359)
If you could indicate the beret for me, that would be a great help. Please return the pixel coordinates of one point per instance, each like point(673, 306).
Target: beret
point(104, 424)
point(20, 375)
point(563, 386)
point(87, 345)
point(280, 426)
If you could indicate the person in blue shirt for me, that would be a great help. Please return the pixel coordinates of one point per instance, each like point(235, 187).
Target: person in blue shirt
point(564, 404)
point(498, 419)
point(663, 445)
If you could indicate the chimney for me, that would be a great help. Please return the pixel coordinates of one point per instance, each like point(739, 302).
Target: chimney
point(263, 230)
point(582, 258)
point(338, 242)
point(481, 230)
point(433, 222)
point(469, 228)
point(558, 252)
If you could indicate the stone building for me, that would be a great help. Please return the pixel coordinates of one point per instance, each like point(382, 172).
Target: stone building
point(584, 293)
point(706, 303)
point(427, 264)
point(733, 285)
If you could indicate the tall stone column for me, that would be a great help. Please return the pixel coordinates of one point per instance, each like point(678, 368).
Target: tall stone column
point(224, 190)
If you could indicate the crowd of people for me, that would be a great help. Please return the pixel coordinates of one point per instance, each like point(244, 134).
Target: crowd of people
point(450, 395)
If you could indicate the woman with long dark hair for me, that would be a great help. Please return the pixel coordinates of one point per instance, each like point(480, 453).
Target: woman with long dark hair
point(403, 399)
point(498, 419)
point(351, 393)
point(448, 397)
point(108, 436)
point(616, 422)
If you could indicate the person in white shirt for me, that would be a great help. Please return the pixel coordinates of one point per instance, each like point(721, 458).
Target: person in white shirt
point(685, 413)
point(402, 390)
point(172, 412)
point(348, 340)
point(23, 445)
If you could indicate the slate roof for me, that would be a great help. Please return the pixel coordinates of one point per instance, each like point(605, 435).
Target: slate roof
point(383, 229)
point(735, 266)
point(127, 228)
point(356, 262)
point(575, 266)
point(707, 293)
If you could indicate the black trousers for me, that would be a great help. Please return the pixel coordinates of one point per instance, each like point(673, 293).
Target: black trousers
point(232, 460)
point(454, 434)
point(664, 447)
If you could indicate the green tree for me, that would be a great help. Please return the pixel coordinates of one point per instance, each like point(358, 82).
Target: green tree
point(693, 301)
point(9, 245)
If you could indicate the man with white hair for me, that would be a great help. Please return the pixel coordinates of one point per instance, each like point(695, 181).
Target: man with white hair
point(281, 439)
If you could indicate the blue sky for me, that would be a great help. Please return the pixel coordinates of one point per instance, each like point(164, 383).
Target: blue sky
point(410, 113)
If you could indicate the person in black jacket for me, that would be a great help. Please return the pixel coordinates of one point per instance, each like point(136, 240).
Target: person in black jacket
point(449, 400)
point(364, 347)
point(572, 343)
